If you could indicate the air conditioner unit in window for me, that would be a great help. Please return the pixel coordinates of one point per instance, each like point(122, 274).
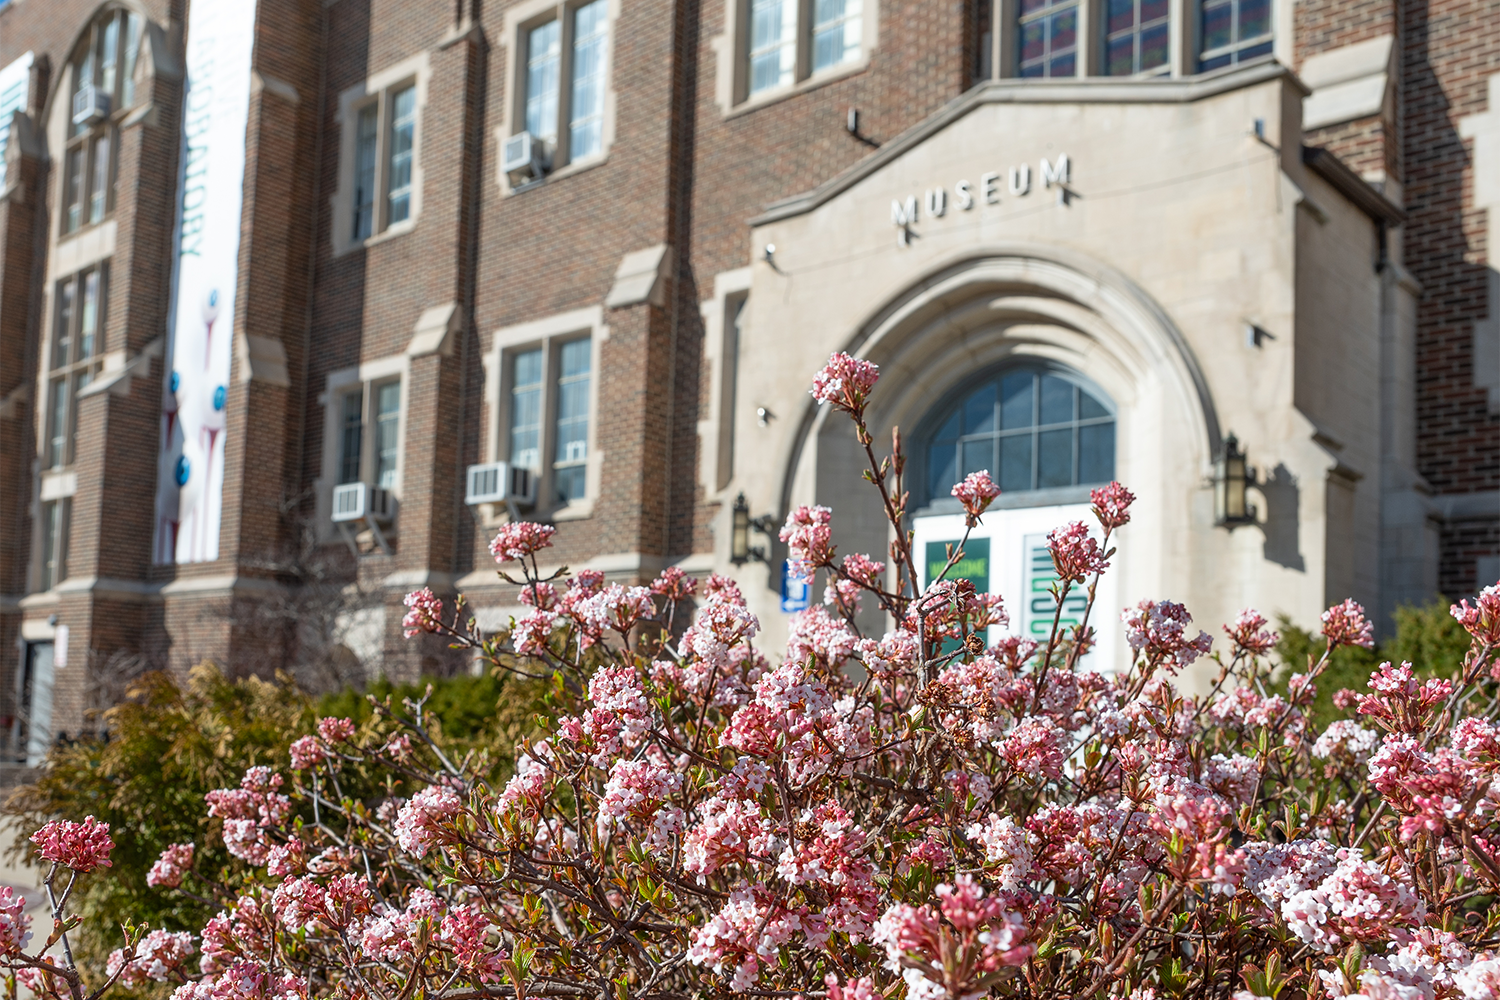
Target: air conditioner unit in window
point(524, 157)
point(500, 482)
point(90, 105)
point(355, 502)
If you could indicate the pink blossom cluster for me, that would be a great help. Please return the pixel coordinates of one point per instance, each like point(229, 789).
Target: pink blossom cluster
point(79, 846)
point(638, 793)
point(1482, 621)
point(1158, 630)
point(248, 812)
point(1345, 625)
point(674, 584)
point(15, 922)
point(1112, 505)
point(424, 612)
point(1248, 634)
point(427, 819)
point(948, 950)
point(808, 535)
point(1075, 553)
point(845, 383)
point(171, 867)
point(520, 540)
point(975, 492)
point(155, 957)
point(1399, 703)
point(616, 607)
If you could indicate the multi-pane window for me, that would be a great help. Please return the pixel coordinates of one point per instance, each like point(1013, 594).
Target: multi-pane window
point(1233, 31)
point(52, 564)
point(789, 39)
point(375, 457)
point(563, 80)
point(548, 415)
point(1033, 430)
point(836, 33)
point(543, 72)
point(1135, 36)
point(78, 318)
point(101, 85)
point(569, 463)
point(590, 35)
point(526, 410)
point(351, 435)
point(383, 160)
point(1048, 38)
point(773, 44)
point(387, 433)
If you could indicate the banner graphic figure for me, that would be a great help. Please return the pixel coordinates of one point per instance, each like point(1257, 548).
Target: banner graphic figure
point(190, 471)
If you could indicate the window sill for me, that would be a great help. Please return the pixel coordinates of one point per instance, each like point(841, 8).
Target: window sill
point(1055, 497)
point(86, 229)
point(58, 483)
point(388, 233)
point(578, 510)
point(813, 82)
point(568, 170)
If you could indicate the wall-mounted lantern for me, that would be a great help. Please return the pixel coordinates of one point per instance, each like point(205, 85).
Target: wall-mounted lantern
point(1232, 479)
point(740, 551)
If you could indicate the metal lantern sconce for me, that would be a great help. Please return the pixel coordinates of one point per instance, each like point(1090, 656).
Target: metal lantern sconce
point(1232, 479)
point(740, 551)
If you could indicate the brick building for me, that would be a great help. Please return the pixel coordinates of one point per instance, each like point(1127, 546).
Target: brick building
point(274, 276)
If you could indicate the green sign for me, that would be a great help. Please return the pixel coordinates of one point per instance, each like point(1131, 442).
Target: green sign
point(974, 566)
point(1041, 575)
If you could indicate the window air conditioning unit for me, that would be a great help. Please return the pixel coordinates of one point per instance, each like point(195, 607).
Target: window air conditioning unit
point(524, 157)
point(361, 502)
point(90, 105)
point(353, 502)
point(499, 482)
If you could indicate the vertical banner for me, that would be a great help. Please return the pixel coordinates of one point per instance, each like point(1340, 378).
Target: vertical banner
point(190, 471)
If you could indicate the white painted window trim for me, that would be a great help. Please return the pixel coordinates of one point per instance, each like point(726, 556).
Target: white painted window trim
point(547, 333)
point(417, 70)
point(715, 444)
point(732, 57)
point(518, 20)
point(366, 376)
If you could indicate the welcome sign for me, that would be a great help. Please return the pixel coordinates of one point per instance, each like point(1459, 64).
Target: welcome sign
point(1007, 554)
point(190, 478)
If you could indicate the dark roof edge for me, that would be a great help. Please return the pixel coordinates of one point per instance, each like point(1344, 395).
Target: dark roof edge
point(1089, 90)
point(1352, 186)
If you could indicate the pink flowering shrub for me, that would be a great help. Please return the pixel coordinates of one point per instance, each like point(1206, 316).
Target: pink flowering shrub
point(930, 811)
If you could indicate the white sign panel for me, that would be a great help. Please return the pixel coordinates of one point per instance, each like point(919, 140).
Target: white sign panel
point(1012, 545)
point(15, 79)
point(190, 476)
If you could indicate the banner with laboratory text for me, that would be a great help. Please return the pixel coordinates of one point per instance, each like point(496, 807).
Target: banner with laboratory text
point(190, 476)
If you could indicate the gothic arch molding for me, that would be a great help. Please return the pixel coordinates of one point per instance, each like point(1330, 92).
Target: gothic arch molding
point(995, 302)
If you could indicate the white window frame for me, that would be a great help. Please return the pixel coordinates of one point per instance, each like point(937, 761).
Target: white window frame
point(366, 378)
point(377, 90)
point(549, 334)
point(519, 21)
point(732, 83)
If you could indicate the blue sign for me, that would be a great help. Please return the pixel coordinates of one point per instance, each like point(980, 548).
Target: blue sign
point(793, 589)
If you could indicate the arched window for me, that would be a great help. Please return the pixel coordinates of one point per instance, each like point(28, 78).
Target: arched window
point(101, 86)
point(1032, 428)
